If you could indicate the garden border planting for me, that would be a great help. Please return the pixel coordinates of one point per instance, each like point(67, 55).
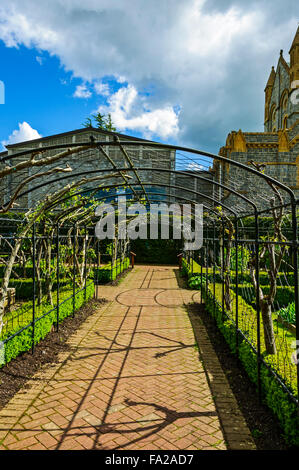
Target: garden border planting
point(273, 388)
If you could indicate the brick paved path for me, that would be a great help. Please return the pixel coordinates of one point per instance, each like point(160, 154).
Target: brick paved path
point(133, 380)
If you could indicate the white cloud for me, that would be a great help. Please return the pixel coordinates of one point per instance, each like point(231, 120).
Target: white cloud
point(82, 92)
point(211, 57)
point(102, 88)
point(120, 79)
point(22, 134)
point(193, 166)
point(40, 60)
point(129, 111)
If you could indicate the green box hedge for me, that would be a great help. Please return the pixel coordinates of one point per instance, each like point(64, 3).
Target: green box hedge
point(283, 278)
point(284, 295)
point(45, 318)
point(274, 395)
point(24, 287)
point(106, 273)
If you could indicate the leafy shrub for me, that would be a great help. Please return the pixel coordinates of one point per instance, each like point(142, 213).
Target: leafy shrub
point(194, 282)
point(284, 295)
point(288, 313)
point(283, 279)
point(106, 273)
point(103, 276)
point(24, 287)
point(185, 268)
point(160, 251)
point(273, 393)
point(21, 272)
point(18, 340)
point(243, 258)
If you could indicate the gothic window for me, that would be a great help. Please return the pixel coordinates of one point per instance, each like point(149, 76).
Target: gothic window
point(284, 101)
point(273, 117)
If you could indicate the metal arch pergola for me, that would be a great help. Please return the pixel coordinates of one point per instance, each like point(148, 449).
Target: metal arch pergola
point(156, 147)
point(138, 189)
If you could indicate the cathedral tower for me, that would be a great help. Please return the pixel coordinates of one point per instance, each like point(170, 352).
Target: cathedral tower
point(294, 65)
point(268, 93)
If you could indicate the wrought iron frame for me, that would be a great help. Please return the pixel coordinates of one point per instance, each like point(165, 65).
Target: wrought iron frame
point(138, 188)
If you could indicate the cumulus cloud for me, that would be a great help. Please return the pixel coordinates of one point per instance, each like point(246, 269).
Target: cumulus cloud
point(40, 60)
point(102, 88)
point(193, 166)
point(210, 57)
point(129, 111)
point(82, 92)
point(22, 134)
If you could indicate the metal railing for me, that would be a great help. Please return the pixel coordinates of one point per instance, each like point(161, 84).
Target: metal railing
point(244, 316)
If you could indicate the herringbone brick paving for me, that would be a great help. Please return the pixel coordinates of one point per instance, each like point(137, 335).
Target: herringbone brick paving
point(133, 380)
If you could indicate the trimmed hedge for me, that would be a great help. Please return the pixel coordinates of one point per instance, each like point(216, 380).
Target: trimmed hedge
point(284, 295)
point(283, 278)
point(158, 251)
point(46, 317)
point(19, 271)
point(24, 287)
point(273, 393)
point(108, 273)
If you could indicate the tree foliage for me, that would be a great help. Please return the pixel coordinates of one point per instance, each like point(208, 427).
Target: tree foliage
point(102, 121)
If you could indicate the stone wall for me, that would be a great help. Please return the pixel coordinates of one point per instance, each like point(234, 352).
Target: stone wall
point(199, 182)
point(84, 162)
point(278, 107)
point(278, 152)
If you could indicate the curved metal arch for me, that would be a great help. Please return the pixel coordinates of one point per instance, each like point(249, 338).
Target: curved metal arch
point(155, 201)
point(157, 145)
point(210, 209)
point(163, 170)
point(167, 200)
point(149, 184)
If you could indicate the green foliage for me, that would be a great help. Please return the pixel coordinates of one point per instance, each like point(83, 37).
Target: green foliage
point(47, 317)
point(288, 313)
point(24, 287)
point(283, 279)
point(87, 122)
point(109, 273)
point(103, 275)
point(273, 393)
point(265, 225)
point(156, 251)
point(194, 282)
point(109, 124)
point(109, 249)
point(284, 295)
point(256, 433)
point(12, 215)
point(243, 258)
point(185, 268)
point(26, 272)
point(101, 122)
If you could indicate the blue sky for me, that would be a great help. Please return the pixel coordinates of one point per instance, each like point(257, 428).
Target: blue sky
point(188, 75)
point(39, 91)
point(37, 94)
